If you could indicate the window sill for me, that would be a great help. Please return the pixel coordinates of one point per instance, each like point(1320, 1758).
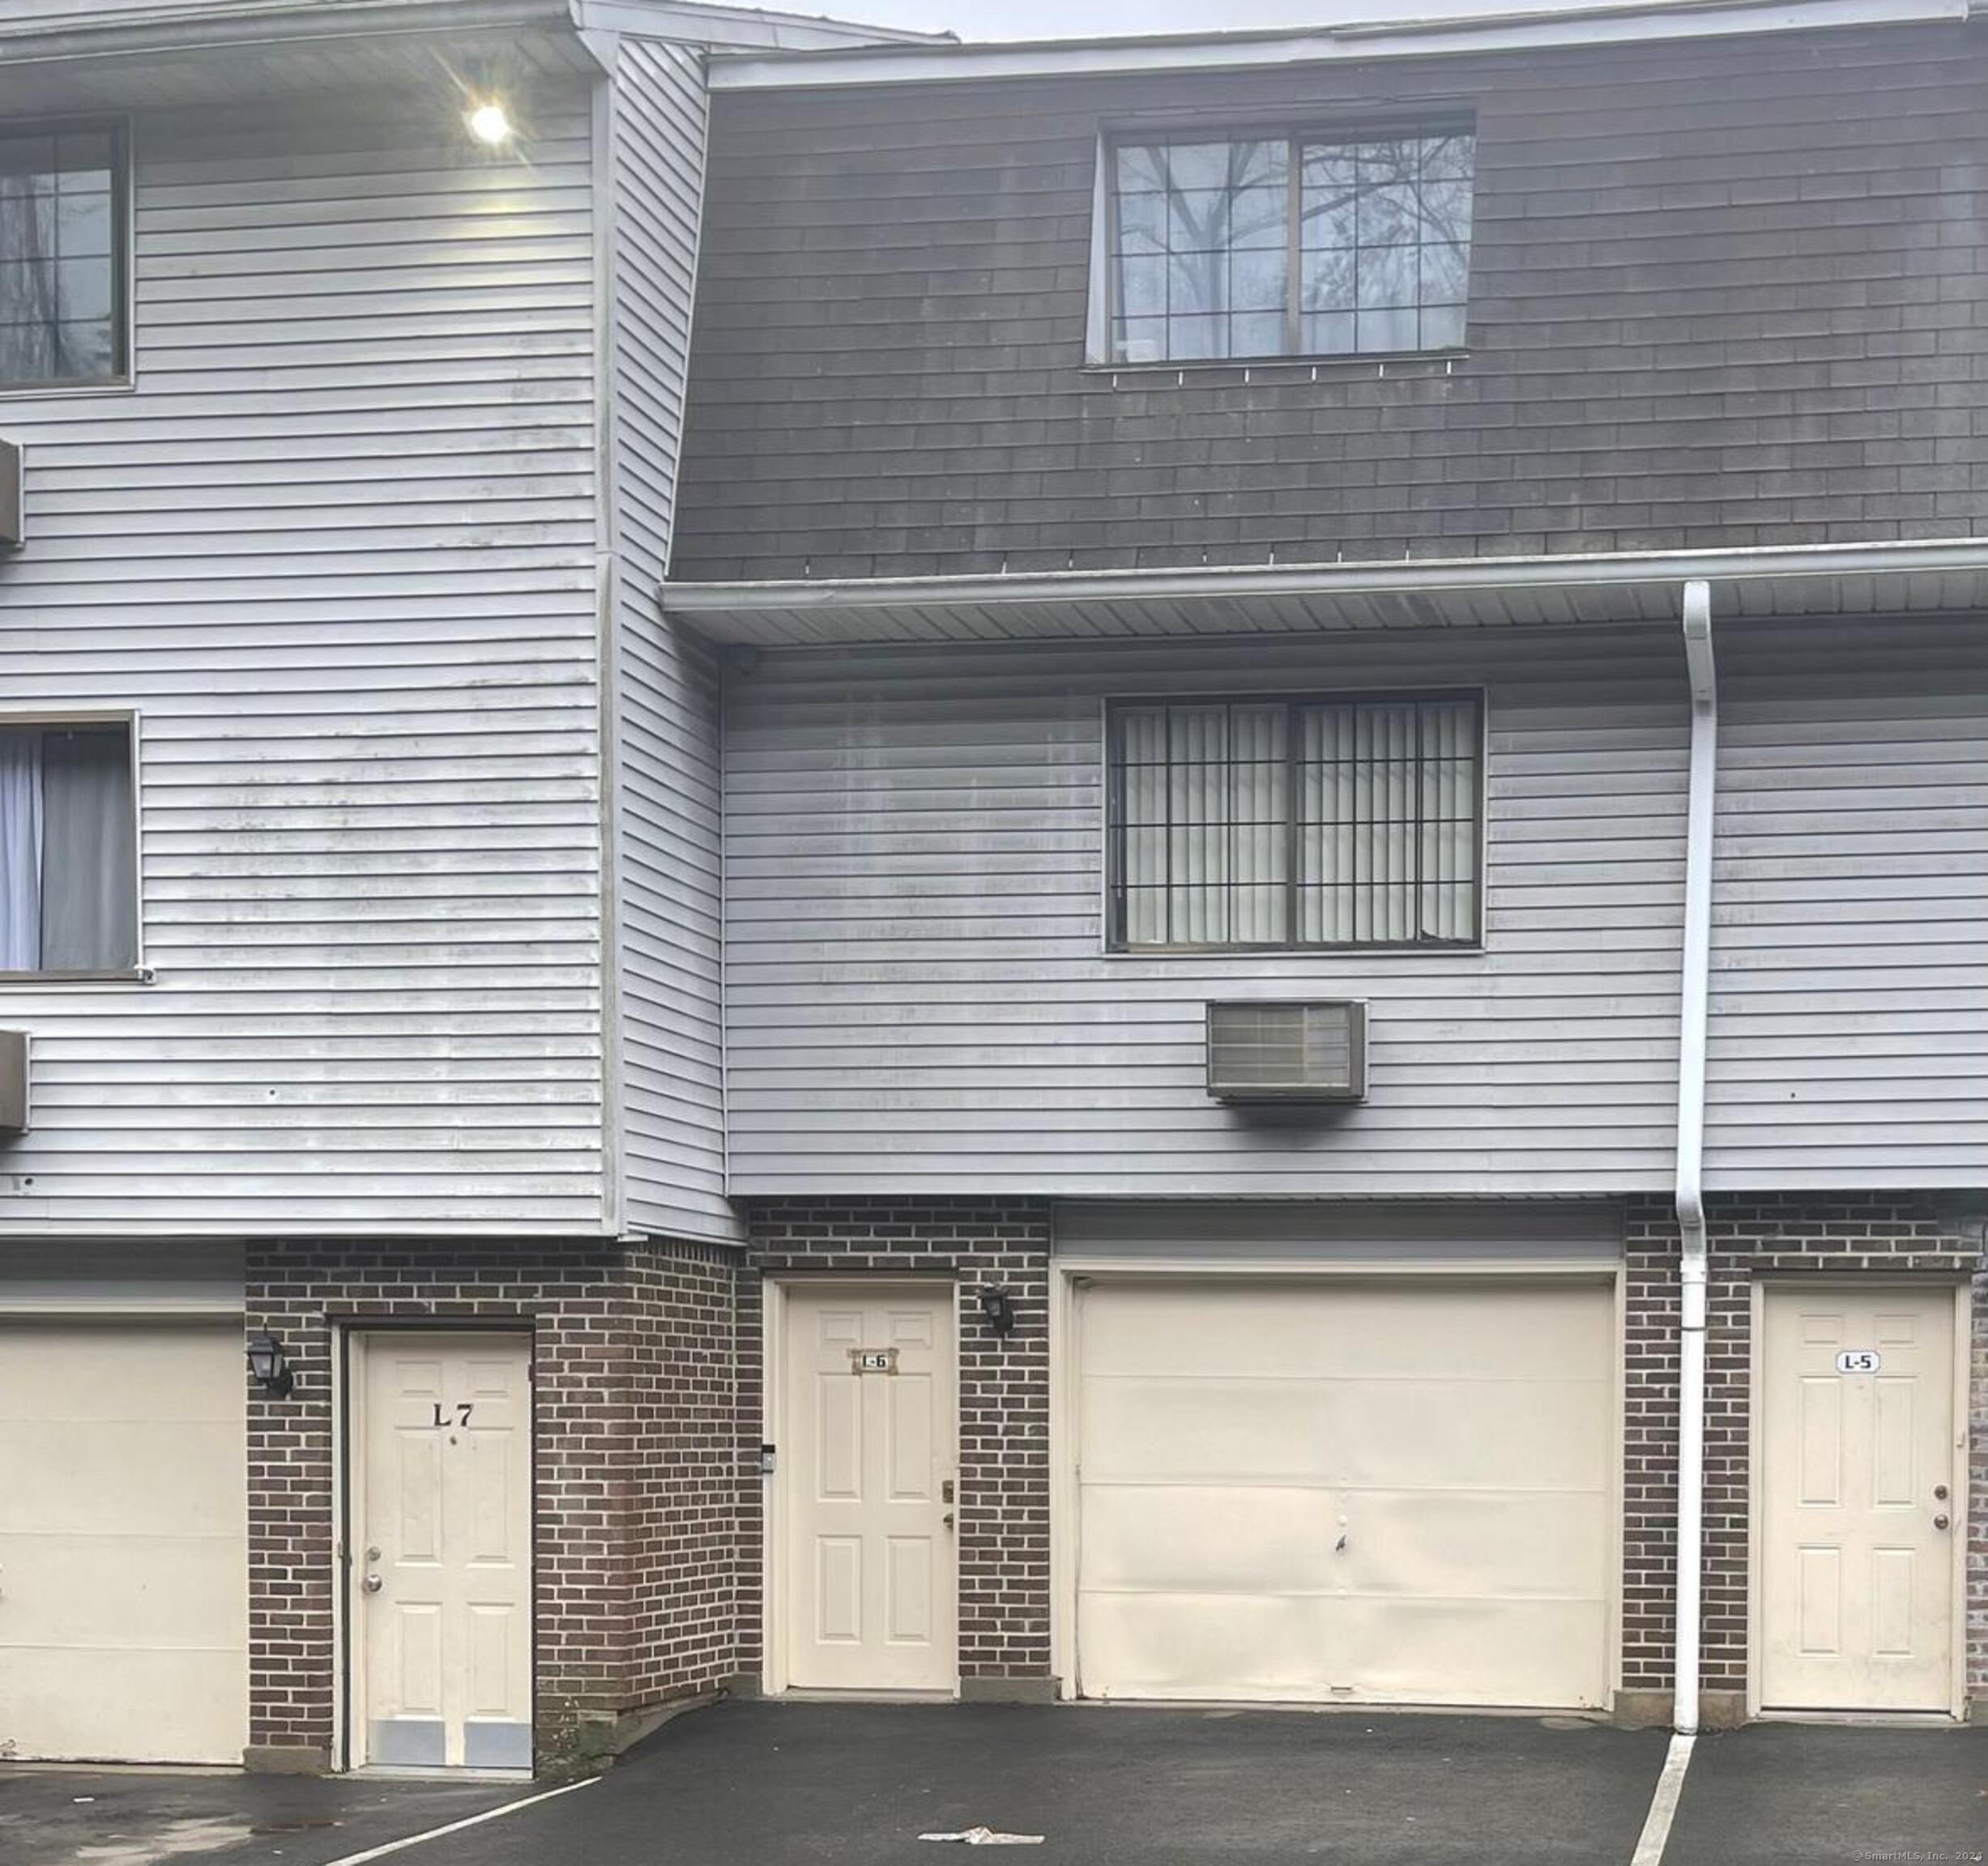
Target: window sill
point(1287, 368)
point(1426, 950)
point(53, 391)
point(119, 975)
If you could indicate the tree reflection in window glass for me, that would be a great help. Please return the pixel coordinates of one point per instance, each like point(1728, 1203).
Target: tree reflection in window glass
point(1275, 246)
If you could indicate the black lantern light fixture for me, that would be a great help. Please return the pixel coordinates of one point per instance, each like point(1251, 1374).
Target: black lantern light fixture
point(997, 1308)
point(268, 1368)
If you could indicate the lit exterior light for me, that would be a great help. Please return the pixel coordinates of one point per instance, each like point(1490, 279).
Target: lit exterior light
point(490, 124)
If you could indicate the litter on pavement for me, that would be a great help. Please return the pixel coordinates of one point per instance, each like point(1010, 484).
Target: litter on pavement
point(987, 1836)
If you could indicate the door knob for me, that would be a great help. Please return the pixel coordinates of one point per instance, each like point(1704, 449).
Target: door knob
point(1939, 1522)
point(373, 1583)
point(947, 1519)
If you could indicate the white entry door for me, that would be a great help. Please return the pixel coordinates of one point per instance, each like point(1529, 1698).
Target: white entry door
point(870, 1587)
point(1860, 1479)
point(441, 1551)
point(124, 1572)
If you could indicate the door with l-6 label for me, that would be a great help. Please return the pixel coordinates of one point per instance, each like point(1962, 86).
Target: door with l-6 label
point(440, 1551)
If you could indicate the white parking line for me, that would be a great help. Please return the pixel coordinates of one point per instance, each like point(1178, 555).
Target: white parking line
point(457, 1826)
point(1663, 1807)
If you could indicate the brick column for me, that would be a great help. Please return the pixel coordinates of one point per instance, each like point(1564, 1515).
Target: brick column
point(1004, 1410)
point(634, 1489)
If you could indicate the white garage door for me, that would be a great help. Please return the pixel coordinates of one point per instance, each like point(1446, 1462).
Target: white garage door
point(123, 1542)
point(1369, 1492)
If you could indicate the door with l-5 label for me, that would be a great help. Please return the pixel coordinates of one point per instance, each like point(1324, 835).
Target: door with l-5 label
point(441, 1548)
point(1859, 1514)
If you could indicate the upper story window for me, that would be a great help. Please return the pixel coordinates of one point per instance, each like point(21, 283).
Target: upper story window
point(1331, 820)
point(68, 849)
point(1276, 245)
point(64, 196)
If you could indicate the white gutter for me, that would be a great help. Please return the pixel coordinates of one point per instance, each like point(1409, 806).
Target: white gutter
point(1525, 29)
point(1404, 576)
point(1693, 1012)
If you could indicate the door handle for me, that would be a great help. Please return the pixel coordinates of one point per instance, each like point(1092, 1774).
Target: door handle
point(373, 1583)
point(947, 1519)
point(1939, 1522)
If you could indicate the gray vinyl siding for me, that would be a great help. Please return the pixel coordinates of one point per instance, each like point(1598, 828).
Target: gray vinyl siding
point(337, 548)
point(918, 1000)
point(669, 804)
point(1726, 293)
point(1849, 1028)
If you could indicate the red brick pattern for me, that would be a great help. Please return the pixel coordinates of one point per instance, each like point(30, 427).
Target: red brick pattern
point(1750, 1235)
point(632, 1402)
point(1004, 1423)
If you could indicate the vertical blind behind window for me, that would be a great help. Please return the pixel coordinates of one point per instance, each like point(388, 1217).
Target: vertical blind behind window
point(68, 849)
point(1319, 822)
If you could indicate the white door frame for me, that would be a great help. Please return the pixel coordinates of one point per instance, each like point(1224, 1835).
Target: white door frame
point(349, 1342)
point(1064, 1375)
point(774, 1507)
point(1864, 1283)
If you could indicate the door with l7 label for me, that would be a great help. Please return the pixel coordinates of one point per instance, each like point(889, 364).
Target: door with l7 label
point(440, 1551)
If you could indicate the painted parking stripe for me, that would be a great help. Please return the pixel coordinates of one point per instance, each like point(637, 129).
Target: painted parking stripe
point(457, 1826)
point(1663, 1806)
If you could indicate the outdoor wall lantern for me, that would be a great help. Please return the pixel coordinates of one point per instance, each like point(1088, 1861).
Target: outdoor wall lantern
point(268, 1368)
point(997, 1310)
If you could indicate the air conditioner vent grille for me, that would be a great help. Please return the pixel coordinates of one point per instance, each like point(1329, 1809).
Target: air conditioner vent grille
point(1287, 1052)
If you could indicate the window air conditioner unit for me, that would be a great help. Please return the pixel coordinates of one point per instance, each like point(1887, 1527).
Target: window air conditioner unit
point(1273, 1052)
point(13, 1082)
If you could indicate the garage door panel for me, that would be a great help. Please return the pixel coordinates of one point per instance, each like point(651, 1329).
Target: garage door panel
point(1457, 1651)
point(1268, 1328)
point(101, 1371)
point(1504, 1433)
point(1244, 1646)
point(1380, 1492)
point(1507, 1544)
point(123, 1542)
point(1147, 1429)
point(109, 1706)
point(117, 1477)
point(145, 1592)
point(1195, 1537)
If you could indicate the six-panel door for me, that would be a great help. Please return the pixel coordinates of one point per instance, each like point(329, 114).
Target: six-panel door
point(1858, 1516)
point(442, 1554)
point(868, 1431)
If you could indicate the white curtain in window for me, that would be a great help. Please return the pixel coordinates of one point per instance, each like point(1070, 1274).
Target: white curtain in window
point(88, 908)
point(20, 851)
point(1388, 837)
point(1206, 824)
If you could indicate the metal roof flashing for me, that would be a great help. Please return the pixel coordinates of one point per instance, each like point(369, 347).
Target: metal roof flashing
point(1923, 576)
point(1364, 37)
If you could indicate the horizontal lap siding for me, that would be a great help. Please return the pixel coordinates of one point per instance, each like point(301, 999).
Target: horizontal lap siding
point(1723, 294)
point(672, 1055)
point(337, 548)
point(1850, 954)
point(918, 1002)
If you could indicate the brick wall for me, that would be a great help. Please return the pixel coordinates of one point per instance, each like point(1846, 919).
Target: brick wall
point(1004, 1388)
point(1722, 294)
point(1750, 1235)
point(632, 1403)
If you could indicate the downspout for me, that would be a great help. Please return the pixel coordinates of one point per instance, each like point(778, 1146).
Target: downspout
point(1692, 1017)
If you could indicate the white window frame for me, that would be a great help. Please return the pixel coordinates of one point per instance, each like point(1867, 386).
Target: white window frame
point(138, 971)
point(125, 252)
point(1097, 354)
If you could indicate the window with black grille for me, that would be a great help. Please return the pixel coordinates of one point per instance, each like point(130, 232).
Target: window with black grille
point(1332, 820)
point(64, 204)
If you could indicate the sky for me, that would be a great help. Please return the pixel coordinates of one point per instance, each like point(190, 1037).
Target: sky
point(1089, 18)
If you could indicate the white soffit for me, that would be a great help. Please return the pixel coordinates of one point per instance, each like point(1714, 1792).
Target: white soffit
point(1354, 39)
point(1938, 577)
